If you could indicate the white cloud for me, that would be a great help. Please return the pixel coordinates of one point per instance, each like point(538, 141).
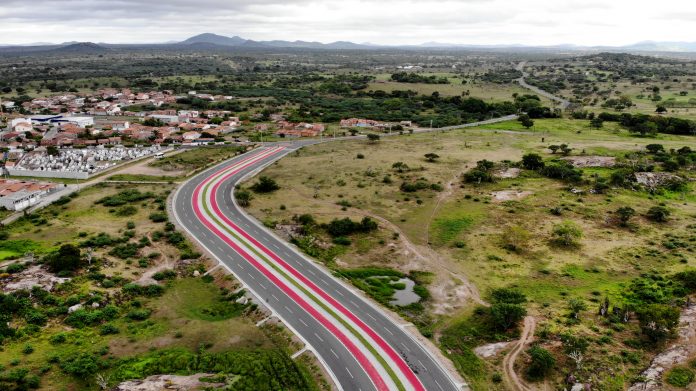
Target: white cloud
point(535, 22)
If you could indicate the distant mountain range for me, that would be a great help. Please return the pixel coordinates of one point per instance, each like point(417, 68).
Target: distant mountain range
point(220, 42)
point(209, 38)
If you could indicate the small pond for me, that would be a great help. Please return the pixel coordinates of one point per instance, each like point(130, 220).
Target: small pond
point(405, 296)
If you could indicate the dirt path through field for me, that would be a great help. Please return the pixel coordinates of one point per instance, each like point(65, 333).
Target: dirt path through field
point(511, 378)
point(450, 290)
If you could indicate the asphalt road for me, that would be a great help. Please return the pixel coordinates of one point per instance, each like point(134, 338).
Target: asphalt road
point(564, 103)
point(342, 362)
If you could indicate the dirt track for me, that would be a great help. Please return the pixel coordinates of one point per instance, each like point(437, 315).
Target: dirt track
point(513, 381)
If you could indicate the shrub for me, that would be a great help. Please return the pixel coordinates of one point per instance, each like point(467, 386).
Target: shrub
point(243, 197)
point(624, 214)
point(658, 321)
point(563, 171)
point(108, 329)
point(566, 234)
point(139, 314)
point(124, 251)
point(58, 338)
point(81, 364)
point(346, 226)
point(164, 275)
point(542, 363)
point(14, 268)
point(481, 173)
point(342, 240)
point(62, 200)
point(36, 317)
point(125, 197)
point(128, 210)
point(515, 238)
point(411, 187)
point(680, 377)
point(658, 214)
point(265, 185)
point(478, 176)
point(158, 217)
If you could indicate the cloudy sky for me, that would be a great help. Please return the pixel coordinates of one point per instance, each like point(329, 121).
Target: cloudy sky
point(533, 22)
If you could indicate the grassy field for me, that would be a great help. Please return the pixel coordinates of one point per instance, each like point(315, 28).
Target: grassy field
point(486, 91)
point(460, 232)
point(195, 159)
point(186, 315)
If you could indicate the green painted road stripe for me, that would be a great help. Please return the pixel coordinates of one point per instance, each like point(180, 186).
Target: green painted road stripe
point(275, 267)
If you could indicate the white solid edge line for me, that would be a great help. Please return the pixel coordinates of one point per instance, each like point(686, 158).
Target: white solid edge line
point(320, 267)
point(285, 322)
point(290, 280)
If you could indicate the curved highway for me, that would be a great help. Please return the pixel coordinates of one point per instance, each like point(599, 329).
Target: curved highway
point(361, 347)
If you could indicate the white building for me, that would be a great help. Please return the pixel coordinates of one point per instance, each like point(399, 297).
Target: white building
point(167, 119)
point(20, 200)
point(17, 121)
point(79, 121)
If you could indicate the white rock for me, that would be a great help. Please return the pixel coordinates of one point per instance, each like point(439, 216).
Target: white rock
point(578, 387)
point(196, 273)
point(75, 308)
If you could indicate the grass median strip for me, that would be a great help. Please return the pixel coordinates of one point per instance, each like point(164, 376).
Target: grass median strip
point(360, 337)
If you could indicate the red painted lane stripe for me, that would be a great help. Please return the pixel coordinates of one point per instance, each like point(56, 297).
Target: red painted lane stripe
point(360, 357)
point(405, 369)
point(254, 154)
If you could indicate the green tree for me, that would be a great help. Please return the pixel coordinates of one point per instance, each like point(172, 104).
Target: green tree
point(575, 306)
point(373, 138)
point(400, 166)
point(658, 321)
point(265, 185)
point(506, 315)
point(508, 295)
point(597, 122)
point(554, 148)
point(67, 258)
point(624, 214)
point(243, 197)
point(532, 161)
point(565, 149)
point(52, 150)
point(655, 148)
point(526, 121)
point(431, 157)
point(541, 364)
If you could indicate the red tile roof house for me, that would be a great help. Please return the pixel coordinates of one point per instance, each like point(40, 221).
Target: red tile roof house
point(300, 130)
point(358, 122)
point(11, 135)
